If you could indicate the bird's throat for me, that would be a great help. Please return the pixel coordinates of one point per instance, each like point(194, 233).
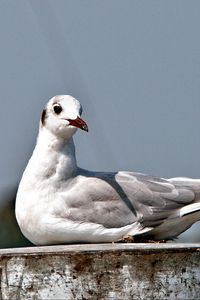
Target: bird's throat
point(53, 159)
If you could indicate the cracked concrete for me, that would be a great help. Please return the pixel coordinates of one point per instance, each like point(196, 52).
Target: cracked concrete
point(104, 271)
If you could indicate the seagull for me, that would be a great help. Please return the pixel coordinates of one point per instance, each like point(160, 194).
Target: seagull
point(59, 203)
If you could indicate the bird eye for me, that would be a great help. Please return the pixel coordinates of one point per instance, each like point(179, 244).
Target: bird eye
point(57, 108)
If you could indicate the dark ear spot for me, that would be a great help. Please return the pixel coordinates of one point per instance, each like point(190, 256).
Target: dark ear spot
point(43, 116)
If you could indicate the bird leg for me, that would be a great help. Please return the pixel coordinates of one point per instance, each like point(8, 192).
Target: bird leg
point(126, 239)
point(137, 239)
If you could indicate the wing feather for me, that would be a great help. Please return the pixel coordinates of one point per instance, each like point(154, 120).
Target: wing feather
point(119, 199)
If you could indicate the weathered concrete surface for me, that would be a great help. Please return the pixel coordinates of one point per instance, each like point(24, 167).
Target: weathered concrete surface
point(106, 271)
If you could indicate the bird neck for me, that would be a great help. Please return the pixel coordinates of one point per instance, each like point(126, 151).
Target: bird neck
point(51, 143)
point(53, 158)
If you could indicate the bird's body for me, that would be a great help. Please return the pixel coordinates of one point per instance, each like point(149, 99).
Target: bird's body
point(58, 202)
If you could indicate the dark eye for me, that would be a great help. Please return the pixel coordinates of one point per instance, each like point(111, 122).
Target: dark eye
point(57, 108)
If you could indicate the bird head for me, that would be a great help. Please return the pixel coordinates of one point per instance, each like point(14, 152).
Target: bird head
point(62, 116)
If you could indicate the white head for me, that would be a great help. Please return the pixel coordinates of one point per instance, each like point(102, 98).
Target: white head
point(61, 116)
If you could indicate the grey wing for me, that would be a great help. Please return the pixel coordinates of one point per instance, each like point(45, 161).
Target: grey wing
point(120, 199)
point(155, 199)
point(99, 198)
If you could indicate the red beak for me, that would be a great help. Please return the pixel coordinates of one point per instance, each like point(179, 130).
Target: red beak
point(79, 123)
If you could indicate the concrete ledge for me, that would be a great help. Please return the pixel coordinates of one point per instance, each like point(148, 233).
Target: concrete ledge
point(101, 271)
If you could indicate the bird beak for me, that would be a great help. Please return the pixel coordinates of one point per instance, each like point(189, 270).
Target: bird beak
point(79, 123)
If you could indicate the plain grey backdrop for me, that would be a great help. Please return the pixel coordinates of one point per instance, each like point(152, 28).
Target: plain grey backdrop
point(135, 67)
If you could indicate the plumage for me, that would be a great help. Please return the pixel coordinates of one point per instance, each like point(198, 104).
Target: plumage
point(58, 202)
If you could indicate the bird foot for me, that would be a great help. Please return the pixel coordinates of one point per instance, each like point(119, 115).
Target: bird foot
point(155, 242)
point(132, 239)
point(142, 240)
point(126, 239)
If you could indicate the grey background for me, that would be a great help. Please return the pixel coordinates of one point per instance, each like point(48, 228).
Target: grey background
point(135, 67)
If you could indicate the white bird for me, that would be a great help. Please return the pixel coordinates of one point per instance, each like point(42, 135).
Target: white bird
point(58, 202)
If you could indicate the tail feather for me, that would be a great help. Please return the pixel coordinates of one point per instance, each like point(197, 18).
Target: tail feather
point(189, 209)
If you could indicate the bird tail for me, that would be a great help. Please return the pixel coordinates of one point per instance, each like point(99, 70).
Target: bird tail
point(189, 209)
